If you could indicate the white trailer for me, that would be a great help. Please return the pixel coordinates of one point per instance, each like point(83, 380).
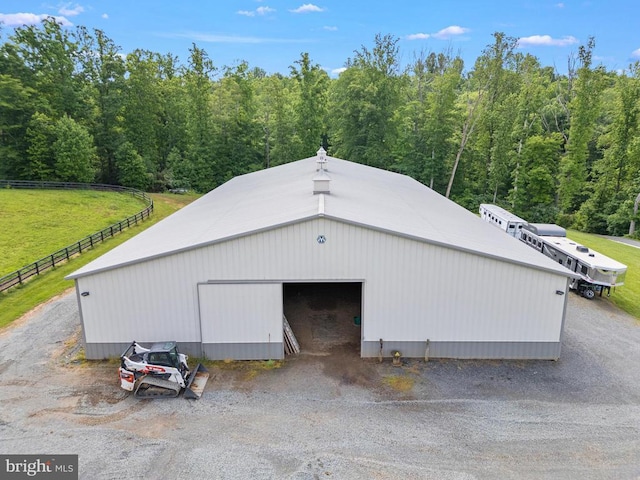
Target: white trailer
point(596, 271)
point(501, 218)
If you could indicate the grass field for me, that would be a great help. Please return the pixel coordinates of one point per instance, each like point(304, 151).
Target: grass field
point(35, 223)
point(17, 301)
point(626, 297)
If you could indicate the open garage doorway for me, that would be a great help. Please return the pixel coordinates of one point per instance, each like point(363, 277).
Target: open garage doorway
point(325, 317)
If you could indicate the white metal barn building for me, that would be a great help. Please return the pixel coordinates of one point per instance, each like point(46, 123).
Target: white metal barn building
point(432, 275)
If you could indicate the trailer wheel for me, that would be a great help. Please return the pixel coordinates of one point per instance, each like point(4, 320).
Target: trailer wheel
point(588, 293)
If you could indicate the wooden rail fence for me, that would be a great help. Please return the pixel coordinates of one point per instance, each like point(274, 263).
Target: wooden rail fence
point(50, 261)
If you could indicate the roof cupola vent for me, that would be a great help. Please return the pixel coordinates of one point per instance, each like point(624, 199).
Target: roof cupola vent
point(321, 183)
point(322, 159)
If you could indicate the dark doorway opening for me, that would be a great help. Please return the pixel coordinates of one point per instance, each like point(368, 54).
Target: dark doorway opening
point(325, 317)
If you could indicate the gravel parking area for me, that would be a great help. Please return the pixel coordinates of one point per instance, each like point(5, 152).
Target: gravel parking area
point(332, 416)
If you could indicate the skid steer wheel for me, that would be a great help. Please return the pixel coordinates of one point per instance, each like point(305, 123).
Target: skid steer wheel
point(588, 293)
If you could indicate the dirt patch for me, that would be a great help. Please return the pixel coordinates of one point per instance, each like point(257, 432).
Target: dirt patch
point(242, 375)
point(344, 364)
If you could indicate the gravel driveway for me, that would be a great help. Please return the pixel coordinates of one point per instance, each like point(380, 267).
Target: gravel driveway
point(332, 417)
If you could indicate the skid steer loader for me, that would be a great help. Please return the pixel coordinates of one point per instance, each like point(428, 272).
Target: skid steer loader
point(160, 371)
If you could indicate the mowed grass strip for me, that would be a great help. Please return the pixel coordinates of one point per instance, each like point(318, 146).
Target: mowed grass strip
point(626, 297)
point(36, 223)
point(17, 301)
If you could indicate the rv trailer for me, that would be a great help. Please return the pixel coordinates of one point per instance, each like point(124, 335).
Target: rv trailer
point(597, 272)
point(501, 218)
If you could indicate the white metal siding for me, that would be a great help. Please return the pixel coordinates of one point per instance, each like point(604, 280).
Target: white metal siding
point(412, 290)
point(132, 303)
point(241, 313)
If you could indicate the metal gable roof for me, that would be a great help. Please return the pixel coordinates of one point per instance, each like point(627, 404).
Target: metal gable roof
point(359, 194)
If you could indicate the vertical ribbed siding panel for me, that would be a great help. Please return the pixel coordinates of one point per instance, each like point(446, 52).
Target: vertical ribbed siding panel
point(140, 302)
point(239, 312)
point(466, 297)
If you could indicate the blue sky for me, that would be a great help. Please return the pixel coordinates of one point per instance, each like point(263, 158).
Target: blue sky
point(272, 34)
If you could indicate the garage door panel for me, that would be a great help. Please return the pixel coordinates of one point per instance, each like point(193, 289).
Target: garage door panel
point(241, 312)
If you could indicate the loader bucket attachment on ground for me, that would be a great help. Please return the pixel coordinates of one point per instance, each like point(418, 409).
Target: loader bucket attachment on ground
point(197, 382)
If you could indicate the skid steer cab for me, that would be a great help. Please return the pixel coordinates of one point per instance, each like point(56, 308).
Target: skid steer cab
point(160, 371)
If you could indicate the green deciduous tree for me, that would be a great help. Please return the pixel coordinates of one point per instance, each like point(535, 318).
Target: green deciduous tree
point(609, 207)
point(236, 136)
point(536, 181)
point(495, 78)
point(74, 152)
point(16, 107)
point(49, 53)
point(103, 74)
point(276, 120)
point(310, 107)
point(40, 136)
point(584, 110)
point(143, 106)
point(132, 171)
point(426, 119)
point(200, 152)
point(367, 95)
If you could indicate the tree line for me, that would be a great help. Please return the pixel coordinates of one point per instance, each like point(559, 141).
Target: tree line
point(506, 130)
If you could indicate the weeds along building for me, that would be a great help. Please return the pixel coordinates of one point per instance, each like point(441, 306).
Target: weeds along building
point(429, 276)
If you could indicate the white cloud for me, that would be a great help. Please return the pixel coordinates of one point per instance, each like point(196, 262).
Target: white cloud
point(264, 10)
point(636, 53)
point(418, 36)
point(546, 41)
point(452, 31)
point(331, 29)
point(444, 34)
point(338, 71)
point(68, 11)
point(560, 5)
point(307, 8)
point(19, 19)
point(105, 16)
point(258, 11)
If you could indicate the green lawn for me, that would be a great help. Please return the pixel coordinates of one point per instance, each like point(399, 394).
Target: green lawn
point(35, 223)
point(626, 297)
point(17, 301)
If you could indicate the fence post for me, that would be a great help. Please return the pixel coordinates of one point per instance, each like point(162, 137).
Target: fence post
point(53, 261)
point(66, 251)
